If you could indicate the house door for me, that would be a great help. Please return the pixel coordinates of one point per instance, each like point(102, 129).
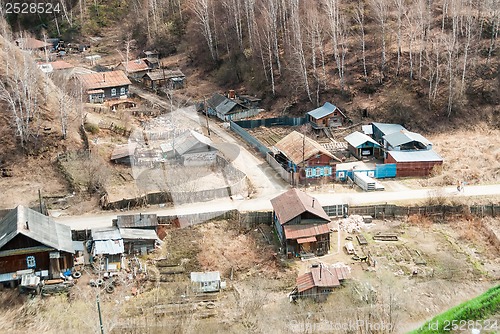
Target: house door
point(306, 247)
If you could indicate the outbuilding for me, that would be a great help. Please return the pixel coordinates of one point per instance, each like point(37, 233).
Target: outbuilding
point(208, 281)
point(414, 163)
point(361, 146)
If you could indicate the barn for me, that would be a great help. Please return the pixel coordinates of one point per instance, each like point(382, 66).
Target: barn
point(414, 163)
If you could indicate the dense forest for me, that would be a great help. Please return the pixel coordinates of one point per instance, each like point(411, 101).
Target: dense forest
point(438, 56)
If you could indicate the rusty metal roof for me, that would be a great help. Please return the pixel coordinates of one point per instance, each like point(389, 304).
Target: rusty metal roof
point(305, 282)
point(295, 147)
point(103, 80)
point(324, 277)
point(306, 240)
point(133, 66)
point(295, 202)
point(305, 231)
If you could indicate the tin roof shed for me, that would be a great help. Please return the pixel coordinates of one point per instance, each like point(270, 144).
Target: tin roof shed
point(357, 139)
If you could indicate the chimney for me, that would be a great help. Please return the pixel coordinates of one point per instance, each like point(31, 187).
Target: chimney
point(27, 226)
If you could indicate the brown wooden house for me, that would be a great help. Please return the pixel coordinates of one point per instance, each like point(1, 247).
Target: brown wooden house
point(301, 223)
point(326, 116)
point(134, 69)
point(33, 243)
point(105, 86)
point(305, 157)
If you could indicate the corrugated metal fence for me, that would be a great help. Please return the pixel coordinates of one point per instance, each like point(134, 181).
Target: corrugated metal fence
point(249, 138)
point(268, 122)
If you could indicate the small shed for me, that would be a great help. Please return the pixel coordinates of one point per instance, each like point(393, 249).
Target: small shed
point(361, 145)
point(414, 163)
point(320, 281)
point(138, 241)
point(208, 281)
point(152, 58)
point(124, 154)
point(325, 116)
point(195, 149)
point(164, 78)
point(228, 109)
point(382, 129)
point(108, 243)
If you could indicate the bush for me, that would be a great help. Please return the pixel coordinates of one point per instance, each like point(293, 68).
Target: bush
point(91, 127)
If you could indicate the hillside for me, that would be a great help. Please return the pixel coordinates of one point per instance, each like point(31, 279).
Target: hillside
point(30, 124)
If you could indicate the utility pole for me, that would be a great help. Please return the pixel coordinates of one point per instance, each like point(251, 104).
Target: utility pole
point(40, 201)
point(303, 154)
point(100, 317)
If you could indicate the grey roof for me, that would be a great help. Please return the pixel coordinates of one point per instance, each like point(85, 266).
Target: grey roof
point(39, 227)
point(105, 233)
point(367, 129)
point(138, 234)
point(138, 220)
point(109, 247)
point(323, 111)
point(388, 128)
point(222, 104)
point(404, 136)
point(415, 156)
point(164, 75)
point(191, 139)
point(356, 139)
point(78, 246)
point(207, 276)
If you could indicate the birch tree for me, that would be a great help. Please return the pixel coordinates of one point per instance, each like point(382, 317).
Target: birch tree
point(380, 10)
point(202, 13)
point(359, 18)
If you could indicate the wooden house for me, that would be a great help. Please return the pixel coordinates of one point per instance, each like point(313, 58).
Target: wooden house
point(138, 241)
point(33, 243)
point(306, 157)
point(164, 78)
point(105, 86)
point(414, 163)
point(361, 146)
point(134, 69)
point(320, 281)
point(107, 246)
point(194, 149)
point(124, 154)
point(226, 109)
point(301, 223)
point(326, 116)
point(208, 281)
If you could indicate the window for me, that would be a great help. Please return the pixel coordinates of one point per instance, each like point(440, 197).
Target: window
point(113, 91)
point(319, 171)
point(122, 91)
point(30, 261)
point(308, 172)
point(328, 171)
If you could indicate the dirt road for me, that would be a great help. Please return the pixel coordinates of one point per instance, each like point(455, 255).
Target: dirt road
point(262, 203)
point(264, 180)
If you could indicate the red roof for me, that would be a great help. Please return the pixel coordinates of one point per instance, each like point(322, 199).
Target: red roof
point(306, 240)
point(322, 276)
point(295, 202)
point(58, 65)
point(133, 66)
point(104, 80)
point(305, 282)
point(305, 231)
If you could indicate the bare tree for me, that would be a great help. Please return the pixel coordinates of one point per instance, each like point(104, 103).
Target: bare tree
point(202, 12)
point(380, 10)
point(359, 18)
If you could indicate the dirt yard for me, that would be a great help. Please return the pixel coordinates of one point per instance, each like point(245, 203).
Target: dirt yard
point(453, 261)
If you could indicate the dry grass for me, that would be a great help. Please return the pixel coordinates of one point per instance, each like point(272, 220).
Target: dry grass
point(470, 155)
